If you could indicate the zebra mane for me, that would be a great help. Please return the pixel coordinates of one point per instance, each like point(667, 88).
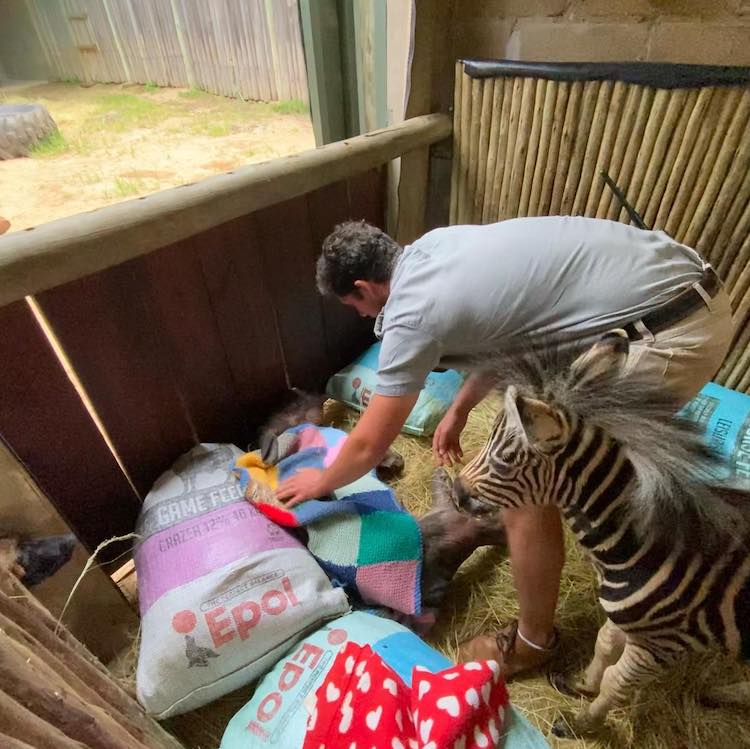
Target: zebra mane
point(675, 491)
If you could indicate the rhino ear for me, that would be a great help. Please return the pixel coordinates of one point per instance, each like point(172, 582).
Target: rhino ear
point(269, 448)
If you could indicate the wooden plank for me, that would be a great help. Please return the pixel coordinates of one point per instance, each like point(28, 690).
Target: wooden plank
point(56, 679)
point(46, 426)
point(113, 342)
point(179, 302)
point(346, 333)
point(246, 321)
point(98, 615)
point(60, 251)
point(287, 253)
point(366, 196)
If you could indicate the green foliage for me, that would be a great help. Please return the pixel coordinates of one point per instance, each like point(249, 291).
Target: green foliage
point(150, 87)
point(52, 145)
point(291, 106)
point(126, 188)
point(193, 93)
point(119, 112)
point(218, 129)
point(209, 125)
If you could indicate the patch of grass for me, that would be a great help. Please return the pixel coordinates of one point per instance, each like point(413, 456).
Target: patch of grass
point(70, 79)
point(211, 127)
point(125, 112)
point(52, 145)
point(291, 106)
point(193, 93)
point(218, 129)
point(126, 188)
point(90, 178)
point(150, 87)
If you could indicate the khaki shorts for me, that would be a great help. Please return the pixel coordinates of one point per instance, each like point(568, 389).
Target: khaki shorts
point(688, 354)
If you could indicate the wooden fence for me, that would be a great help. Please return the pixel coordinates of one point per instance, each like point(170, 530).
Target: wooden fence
point(250, 49)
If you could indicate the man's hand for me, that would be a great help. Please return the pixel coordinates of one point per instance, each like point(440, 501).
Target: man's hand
point(306, 484)
point(362, 450)
point(446, 447)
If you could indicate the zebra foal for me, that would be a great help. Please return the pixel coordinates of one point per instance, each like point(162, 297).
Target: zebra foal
point(672, 551)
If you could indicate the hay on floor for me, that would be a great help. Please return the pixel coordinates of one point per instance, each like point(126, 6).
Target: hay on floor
point(481, 598)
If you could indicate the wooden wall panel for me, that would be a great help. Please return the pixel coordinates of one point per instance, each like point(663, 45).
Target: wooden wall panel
point(285, 237)
point(182, 312)
point(106, 328)
point(46, 426)
point(245, 320)
point(195, 342)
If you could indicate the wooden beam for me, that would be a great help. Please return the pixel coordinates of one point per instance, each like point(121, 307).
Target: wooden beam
point(37, 259)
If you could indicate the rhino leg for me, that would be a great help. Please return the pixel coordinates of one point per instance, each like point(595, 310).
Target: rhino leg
point(391, 466)
point(42, 557)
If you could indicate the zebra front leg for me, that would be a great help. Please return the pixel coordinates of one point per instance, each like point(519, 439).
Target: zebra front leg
point(610, 642)
point(635, 668)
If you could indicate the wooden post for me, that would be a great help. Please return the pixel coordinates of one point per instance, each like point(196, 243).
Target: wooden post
point(415, 167)
point(54, 693)
point(320, 31)
point(369, 38)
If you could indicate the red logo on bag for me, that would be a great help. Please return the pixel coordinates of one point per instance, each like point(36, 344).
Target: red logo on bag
point(307, 656)
point(239, 621)
point(184, 622)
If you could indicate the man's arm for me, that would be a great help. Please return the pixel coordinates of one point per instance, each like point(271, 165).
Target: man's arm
point(445, 444)
point(364, 448)
point(475, 389)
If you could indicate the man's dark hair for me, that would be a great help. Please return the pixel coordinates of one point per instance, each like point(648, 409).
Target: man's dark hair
point(355, 251)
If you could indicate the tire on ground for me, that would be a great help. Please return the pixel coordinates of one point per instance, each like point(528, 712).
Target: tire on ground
point(22, 126)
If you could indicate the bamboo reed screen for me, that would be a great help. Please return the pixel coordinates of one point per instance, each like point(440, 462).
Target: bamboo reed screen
point(531, 139)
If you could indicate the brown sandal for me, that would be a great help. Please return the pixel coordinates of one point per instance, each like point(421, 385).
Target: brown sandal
point(501, 647)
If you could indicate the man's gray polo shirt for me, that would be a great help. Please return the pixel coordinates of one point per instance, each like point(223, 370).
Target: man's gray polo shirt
point(463, 291)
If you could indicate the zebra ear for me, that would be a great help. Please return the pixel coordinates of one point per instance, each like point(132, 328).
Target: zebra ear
point(540, 423)
point(605, 358)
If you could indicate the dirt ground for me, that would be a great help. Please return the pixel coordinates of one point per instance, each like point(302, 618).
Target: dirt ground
point(119, 142)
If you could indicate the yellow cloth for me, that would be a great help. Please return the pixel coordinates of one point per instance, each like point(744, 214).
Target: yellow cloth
point(258, 470)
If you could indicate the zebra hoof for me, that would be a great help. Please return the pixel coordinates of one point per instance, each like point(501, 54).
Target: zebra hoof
point(562, 728)
point(559, 682)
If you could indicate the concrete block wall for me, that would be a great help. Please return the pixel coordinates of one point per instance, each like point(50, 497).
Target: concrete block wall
point(605, 30)
point(690, 31)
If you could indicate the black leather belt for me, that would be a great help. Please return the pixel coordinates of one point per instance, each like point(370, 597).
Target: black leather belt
point(683, 305)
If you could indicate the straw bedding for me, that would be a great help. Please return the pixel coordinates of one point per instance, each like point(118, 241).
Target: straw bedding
point(481, 598)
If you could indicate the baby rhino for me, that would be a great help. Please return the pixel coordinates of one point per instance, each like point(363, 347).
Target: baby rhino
point(451, 531)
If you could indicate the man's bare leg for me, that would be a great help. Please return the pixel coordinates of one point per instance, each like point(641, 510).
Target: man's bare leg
point(537, 554)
